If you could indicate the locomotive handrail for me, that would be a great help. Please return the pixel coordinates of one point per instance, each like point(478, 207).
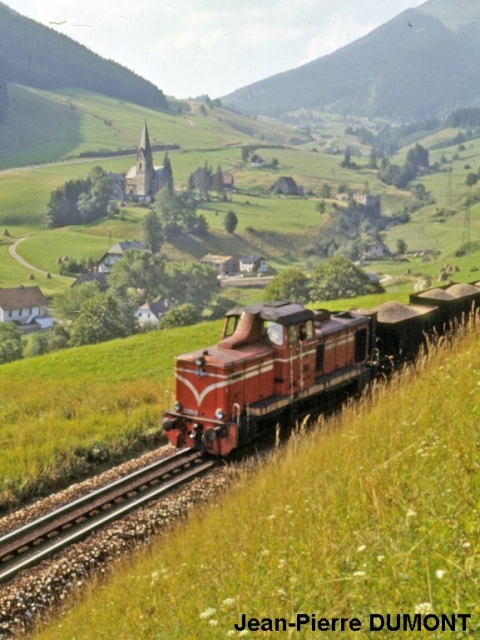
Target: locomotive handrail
point(237, 407)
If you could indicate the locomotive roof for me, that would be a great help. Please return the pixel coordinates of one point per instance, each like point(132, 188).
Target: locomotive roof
point(282, 312)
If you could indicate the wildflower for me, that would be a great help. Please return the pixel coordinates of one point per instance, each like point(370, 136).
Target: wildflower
point(361, 548)
point(242, 633)
point(228, 602)
point(380, 558)
point(213, 623)
point(424, 608)
point(230, 633)
point(154, 577)
point(359, 574)
point(208, 613)
point(281, 592)
point(440, 573)
point(410, 513)
point(271, 517)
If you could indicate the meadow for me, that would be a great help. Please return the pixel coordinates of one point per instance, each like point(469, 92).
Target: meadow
point(374, 511)
point(65, 413)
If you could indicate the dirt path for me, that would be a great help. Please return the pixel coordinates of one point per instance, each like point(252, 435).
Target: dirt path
point(12, 249)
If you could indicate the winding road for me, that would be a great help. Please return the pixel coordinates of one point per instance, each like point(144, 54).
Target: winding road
point(12, 249)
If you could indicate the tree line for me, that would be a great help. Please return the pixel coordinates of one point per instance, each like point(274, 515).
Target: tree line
point(332, 279)
point(36, 56)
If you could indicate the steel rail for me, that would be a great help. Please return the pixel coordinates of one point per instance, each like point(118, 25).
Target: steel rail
point(47, 534)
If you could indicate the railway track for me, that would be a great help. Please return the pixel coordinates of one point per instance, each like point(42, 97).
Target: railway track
point(42, 537)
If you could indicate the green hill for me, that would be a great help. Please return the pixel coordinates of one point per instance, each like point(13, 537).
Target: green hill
point(423, 63)
point(36, 56)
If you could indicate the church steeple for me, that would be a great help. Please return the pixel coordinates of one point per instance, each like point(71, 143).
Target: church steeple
point(145, 141)
point(145, 168)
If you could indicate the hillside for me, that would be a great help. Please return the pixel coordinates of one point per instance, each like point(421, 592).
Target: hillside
point(372, 513)
point(421, 64)
point(36, 56)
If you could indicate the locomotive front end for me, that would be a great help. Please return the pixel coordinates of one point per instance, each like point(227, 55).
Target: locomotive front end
point(214, 388)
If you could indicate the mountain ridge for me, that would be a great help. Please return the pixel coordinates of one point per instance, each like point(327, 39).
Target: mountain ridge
point(413, 67)
point(34, 55)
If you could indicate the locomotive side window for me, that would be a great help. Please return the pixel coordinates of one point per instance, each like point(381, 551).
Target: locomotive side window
point(360, 345)
point(274, 332)
point(230, 326)
point(292, 334)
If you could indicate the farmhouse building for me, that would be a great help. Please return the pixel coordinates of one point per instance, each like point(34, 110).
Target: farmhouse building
point(115, 254)
point(100, 278)
point(372, 204)
point(24, 305)
point(225, 265)
point(150, 313)
point(377, 251)
point(256, 161)
point(253, 264)
point(143, 180)
point(287, 186)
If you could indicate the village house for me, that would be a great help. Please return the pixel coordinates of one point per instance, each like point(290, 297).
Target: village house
point(115, 254)
point(286, 185)
point(377, 251)
point(256, 161)
point(228, 181)
point(253, 264)
point(143, 180)
point(100, 278)
point(24, 306)
point(225, 265)
point(372, 204)
point(150, 313)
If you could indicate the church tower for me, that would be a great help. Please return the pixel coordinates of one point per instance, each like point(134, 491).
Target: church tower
point(145, 170)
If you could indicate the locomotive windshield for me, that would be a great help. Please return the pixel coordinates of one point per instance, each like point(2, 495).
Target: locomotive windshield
point(274, 332)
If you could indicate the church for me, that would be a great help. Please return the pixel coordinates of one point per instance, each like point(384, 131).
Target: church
point(143, 180)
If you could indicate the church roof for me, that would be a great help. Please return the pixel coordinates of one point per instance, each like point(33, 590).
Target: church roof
point(145, 139)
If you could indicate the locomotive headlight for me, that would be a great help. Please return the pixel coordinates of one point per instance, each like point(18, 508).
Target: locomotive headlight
point(200, 361)
point(177, 406)
point(219, 414)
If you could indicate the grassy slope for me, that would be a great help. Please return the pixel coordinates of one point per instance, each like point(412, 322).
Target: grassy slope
point(114, 395)
point(374, 513)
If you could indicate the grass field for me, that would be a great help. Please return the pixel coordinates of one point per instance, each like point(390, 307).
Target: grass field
point(56, 409)
point(373, 512)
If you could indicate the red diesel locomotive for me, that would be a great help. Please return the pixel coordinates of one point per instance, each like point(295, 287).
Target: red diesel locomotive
point(273, 359)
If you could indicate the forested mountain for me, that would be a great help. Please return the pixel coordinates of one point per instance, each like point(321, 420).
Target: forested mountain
point(37, 56)
point(421, 64)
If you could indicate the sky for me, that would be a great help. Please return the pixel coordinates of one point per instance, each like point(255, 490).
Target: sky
point(190, 48)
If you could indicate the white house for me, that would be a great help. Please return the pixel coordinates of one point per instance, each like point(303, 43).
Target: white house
point(24, 305)
point(256, 161)
point(377, 250)
point(253, 264)
point(150, 313)
point(115, 254)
